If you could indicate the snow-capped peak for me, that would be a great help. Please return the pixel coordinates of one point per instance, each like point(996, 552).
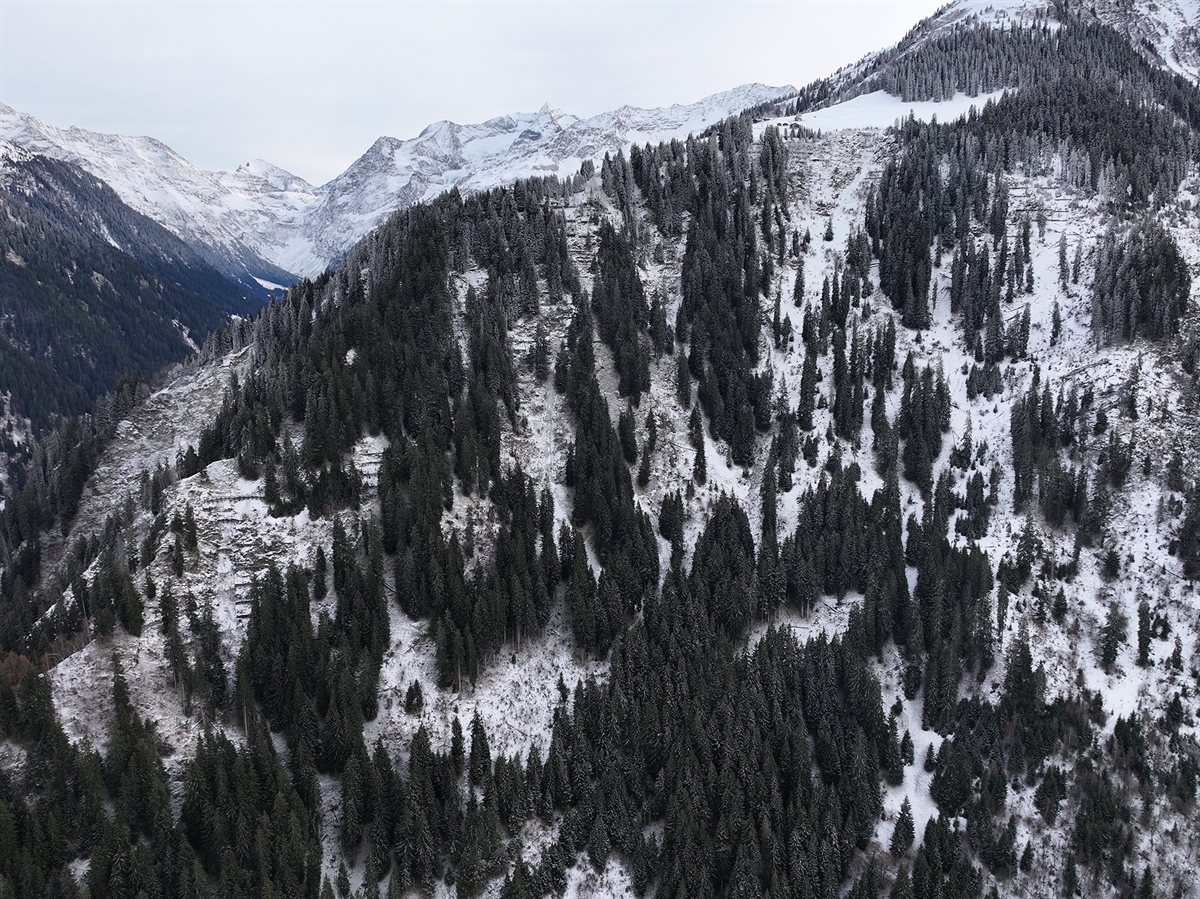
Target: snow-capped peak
point(395, 173)
point(263, 221)
point(272, 176)
point(206, 209)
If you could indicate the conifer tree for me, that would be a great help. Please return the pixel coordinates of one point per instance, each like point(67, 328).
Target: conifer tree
point(1144, 635)
point(1112, 635)
point(808, 391)
point(480, 764)
point(902, 835)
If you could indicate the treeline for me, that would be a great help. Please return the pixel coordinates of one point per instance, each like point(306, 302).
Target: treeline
point(975, 60)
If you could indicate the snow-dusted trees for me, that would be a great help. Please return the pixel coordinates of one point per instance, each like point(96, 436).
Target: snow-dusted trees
point(1141, 286)
point(1189, 536)
point(621, 312)
point(966, 60)
point(902, 222)
point(1079, 86)
point(722, 293)
point(598, 471)
point(924, 416)
point(617, 179)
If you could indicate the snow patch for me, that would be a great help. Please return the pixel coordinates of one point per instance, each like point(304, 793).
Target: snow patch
point(882, 110)
point(269, 285)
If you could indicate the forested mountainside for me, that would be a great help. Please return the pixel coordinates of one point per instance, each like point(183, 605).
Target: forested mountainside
point(91, 291)
point(766, 513)
point(200, 241)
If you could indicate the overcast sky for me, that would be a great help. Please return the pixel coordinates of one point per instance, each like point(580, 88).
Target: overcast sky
point(310, 85)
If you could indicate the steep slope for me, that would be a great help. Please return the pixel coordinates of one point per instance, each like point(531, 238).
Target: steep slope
point(761, 514)
point(91, 291)
point(1167, 29)
point(205, 209)
point(964, 32)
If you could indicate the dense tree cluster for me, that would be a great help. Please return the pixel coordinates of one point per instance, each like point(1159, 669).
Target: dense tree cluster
point(720, 182)
point(598, 473)
point(1141, 285)
point(52, 484)
point(1077, 86)
point(621, 312)
point(1078, 109)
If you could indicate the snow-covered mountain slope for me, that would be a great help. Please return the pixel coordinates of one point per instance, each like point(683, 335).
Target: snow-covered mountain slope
point(395, 173)
point(1083, 623)
point(260, 223)
point(996, 13)
point(1167, 33)
point(829, 183)
point(881, 110)
point(1166, 30)
point(217, 214)
point(1170, 29)
point(92, 291)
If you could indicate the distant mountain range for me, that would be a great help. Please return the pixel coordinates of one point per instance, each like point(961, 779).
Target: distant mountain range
point(263, 226)
point(90, 290)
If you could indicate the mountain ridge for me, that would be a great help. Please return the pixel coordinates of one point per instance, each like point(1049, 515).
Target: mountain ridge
point(92, 291)
point(261, 222)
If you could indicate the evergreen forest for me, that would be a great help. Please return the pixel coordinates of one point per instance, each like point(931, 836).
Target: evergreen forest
point(812, 503)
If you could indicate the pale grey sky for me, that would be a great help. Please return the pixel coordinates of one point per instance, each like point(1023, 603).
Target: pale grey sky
point(310, 85)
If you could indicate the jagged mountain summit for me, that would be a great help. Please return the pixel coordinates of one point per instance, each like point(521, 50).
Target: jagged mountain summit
point(395, 173)
point(215, 213)
point(264, 227)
